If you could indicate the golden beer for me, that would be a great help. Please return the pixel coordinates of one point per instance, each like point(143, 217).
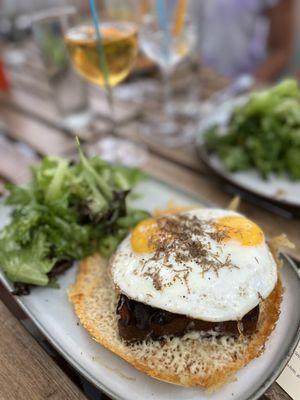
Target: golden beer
point(120, 44)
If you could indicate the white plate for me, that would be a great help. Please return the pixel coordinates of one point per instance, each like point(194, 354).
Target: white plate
point(280, 190)
point(53, 314)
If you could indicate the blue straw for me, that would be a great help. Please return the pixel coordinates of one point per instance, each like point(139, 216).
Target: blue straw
point(100, 48)
point(164, 26)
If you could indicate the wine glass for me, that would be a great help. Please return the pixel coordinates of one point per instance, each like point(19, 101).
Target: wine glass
point(167, 36)
point(102, 41)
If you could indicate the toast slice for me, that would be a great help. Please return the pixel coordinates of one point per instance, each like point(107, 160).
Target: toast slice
point(192, 360)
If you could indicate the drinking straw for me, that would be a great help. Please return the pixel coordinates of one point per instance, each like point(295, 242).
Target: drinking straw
point(164, 26)
point(103, 61)
point(180, 13)
point(99, 44)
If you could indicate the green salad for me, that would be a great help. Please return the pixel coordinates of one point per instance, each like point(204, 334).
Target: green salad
point(263, 134)
point(67, 211)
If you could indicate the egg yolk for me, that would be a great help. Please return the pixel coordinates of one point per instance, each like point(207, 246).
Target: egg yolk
point(240, 229)
point(141, 235)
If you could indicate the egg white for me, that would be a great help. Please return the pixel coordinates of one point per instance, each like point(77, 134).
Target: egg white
point(210, 296)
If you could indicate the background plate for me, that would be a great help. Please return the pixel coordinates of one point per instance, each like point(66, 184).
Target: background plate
point(278, 190)
point(53, 314)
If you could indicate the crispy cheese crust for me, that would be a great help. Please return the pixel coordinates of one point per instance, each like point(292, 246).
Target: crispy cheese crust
point(193, 360)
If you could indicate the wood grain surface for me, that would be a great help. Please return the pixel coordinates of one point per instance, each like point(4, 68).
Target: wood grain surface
point(44, 139)
point(26, 371)
point(276, 393)
point(15, 163)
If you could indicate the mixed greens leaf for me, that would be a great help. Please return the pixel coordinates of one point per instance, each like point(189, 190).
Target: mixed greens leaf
point(67, 211)
point(264, 133)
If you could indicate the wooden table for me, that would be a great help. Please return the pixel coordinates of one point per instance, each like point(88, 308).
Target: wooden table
point(30, 129)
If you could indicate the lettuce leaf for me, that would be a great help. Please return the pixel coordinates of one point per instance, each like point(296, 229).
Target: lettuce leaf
point(27, 264)
point(68, 211)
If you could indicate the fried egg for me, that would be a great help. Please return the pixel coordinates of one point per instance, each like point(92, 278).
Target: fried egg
point(208, 264)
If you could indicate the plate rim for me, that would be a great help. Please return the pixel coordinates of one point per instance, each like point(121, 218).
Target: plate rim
point(204, 156)
point(97, 383)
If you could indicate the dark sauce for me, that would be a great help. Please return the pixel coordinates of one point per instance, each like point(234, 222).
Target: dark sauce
point(138, 321)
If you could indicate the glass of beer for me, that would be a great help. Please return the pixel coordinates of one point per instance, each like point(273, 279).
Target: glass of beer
point(104, 51)
point(120, 48)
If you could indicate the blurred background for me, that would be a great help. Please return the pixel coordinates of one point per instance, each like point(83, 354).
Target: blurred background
point(256, 29)
point(257, 37)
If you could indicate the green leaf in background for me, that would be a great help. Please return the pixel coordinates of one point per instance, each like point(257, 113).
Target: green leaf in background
point(263, 134)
